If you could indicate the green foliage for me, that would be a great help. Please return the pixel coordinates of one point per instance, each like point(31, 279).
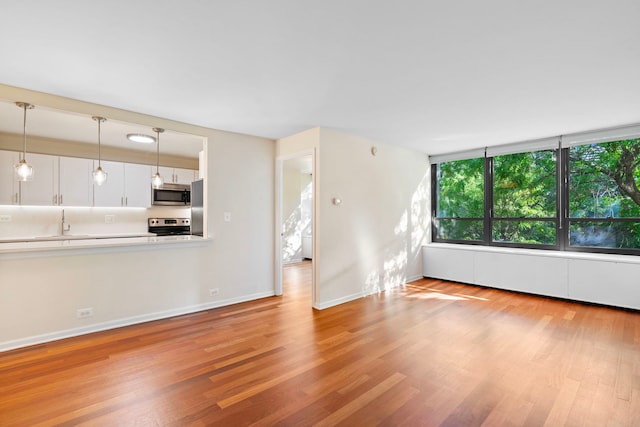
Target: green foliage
point(524, 186)
point(603, 183)
point(461, 189)
point(603, 180)
point(460, 229)
point(603, 191)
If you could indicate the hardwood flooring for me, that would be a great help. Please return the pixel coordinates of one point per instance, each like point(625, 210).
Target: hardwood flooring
point(431, 353)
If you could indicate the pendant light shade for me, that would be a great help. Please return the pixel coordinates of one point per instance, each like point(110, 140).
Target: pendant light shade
point(23, 170)
point(99, 175)
point(156, 180)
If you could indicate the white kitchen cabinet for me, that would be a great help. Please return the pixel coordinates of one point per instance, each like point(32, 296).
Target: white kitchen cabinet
point(42, 189)
point(177, 175)
point(137, 189)
point(184, 176)
point(75, 185)
point(127, 185)
point(9, 188)
point(56, 181)
point(111, 193)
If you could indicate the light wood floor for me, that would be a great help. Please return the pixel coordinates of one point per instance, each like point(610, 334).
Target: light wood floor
point(432, 353)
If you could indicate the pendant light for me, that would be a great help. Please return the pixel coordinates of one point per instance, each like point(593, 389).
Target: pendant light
point(156, 180)
point(99, 175)
point(24, 171)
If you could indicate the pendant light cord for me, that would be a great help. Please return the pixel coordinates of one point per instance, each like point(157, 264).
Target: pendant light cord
point(99, 157)
point(158, 131)
point(24, 132)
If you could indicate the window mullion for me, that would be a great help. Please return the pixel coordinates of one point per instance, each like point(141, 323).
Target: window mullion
point(563, 206)
point(488, 200)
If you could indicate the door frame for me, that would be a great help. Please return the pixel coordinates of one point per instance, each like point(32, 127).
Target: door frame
point(279, 217)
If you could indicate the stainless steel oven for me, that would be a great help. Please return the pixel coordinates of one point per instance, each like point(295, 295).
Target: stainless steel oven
point(169, 226)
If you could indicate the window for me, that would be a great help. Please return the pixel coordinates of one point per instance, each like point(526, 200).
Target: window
point(604, 199)
point(584, 196)
point(524, 198)
point(460, 201)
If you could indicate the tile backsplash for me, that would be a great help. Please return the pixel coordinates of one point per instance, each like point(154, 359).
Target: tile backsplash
point(32, 221)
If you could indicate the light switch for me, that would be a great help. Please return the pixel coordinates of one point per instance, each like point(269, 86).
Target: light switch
point(227, 217)
point(109, 219)
point(5, 218)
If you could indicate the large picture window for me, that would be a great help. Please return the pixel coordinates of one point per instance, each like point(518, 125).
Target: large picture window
point(604, 199)
point(460, 201)
point(524, 198)
point(582, 197)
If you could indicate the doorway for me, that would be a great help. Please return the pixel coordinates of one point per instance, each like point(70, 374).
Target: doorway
point(295, 228)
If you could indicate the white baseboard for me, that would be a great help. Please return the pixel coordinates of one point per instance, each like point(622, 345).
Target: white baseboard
point(414, 278)
point(118, 323)
point(338, 301)
point(342, 300)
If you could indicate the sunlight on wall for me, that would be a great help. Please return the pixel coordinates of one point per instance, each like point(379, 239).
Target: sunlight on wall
point(297, 224)
point(410, 233)
point(420, 216)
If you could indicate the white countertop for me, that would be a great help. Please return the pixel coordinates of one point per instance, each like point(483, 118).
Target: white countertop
point(31, 239)
point(100, 241)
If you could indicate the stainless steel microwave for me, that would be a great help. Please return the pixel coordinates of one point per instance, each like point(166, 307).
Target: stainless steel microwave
point(171, 195)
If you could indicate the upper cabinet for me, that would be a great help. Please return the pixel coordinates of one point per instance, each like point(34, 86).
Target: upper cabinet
point(68, 181)
point(42, 189)
point(9, 187)
point(178, 175)
point(57, 181)
point(75, 187)
point(128, 185)
point(137, 180)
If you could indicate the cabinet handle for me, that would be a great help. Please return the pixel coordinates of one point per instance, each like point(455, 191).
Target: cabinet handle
point(61, 202)
point(122, 201)
point(126, 201)
point(55, 199)
point(17, 198)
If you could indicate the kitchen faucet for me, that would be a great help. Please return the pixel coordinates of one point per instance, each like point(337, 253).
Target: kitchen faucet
point(65, 228)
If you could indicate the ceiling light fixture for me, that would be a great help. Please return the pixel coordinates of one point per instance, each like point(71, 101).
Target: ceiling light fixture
point(99, 175)
point(24, 171)
point(141, 138)
point(156, 180)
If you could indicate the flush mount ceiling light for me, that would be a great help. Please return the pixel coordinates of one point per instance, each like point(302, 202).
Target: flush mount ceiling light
point(99, 175)
point(156, 180)
point(141, 138)
point(24, 171)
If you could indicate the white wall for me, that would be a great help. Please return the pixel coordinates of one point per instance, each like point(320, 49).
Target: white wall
point(39, 295)
point(372, 241)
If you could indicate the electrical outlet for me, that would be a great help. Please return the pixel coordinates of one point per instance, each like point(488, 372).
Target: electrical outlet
point(5, 218)
point(83, 313)
point(214, 292)
point(227, 217)
point(109, 219)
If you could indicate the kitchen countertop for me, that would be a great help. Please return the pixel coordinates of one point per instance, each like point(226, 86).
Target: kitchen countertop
point(66, 243)
point(74, 237)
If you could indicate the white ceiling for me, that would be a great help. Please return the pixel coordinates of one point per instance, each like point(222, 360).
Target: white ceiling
point(433, 75)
